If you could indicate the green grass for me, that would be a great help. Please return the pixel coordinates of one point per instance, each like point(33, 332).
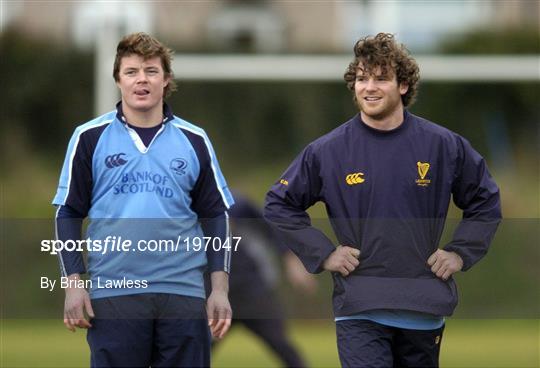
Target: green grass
point(466, 343)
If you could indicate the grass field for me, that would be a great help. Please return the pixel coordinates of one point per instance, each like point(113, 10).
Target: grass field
point(466, 343)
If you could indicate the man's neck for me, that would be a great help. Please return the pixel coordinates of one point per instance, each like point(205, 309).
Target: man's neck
point(143, 119)
point(389, 122)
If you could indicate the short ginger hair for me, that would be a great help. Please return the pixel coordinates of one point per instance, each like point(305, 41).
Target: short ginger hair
point(147, 47)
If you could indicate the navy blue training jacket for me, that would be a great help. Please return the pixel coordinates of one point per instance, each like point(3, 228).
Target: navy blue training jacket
point(387, 193)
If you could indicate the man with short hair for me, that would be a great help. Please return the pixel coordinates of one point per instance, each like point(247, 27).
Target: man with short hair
point(143, 175)
point(386, 177)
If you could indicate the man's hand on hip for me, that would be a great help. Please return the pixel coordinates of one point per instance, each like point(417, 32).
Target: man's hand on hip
point(444, 264)
point(76, 302)
point(343, 260)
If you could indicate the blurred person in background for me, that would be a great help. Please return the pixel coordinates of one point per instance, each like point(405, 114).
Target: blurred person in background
point(254, 276)
point(142, 162)
point(386, 177)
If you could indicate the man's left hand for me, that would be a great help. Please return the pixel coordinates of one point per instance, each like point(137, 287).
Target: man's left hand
point(444, 264)
point(219, 313)
point(218, 307)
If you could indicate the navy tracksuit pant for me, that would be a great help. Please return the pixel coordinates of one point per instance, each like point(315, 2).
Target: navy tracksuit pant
point(366, 344)
point(143, 330)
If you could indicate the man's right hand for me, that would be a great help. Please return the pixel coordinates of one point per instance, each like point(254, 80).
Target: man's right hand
point(343, 260)
point(77, 301)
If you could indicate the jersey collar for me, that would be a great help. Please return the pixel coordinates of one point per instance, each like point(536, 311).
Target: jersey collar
point(384, 133)
point(167, 113)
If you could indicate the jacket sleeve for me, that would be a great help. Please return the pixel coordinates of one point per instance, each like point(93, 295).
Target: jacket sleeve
point(285, 209)
point(476, 193)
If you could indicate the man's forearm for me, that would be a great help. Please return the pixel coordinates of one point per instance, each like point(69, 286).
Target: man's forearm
point(218, 228)
point(308, 243)
point(68, 227)
point(220, 281)
point(73, 277)
point(293, 226)
point(471, 240)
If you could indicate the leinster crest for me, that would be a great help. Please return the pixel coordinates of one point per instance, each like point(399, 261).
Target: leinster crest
point(178, 166)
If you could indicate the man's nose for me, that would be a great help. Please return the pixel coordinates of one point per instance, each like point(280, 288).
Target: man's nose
point(370, 84)
point(141, 76)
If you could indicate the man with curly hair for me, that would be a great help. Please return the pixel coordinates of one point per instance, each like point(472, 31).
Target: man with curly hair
point(386, 177)
point(141, 174)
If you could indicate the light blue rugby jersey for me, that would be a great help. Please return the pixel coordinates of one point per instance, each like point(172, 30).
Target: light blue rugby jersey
point(135, 192)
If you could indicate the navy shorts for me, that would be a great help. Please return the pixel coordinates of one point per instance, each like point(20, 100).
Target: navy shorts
point(142, 330)
point(366, 344)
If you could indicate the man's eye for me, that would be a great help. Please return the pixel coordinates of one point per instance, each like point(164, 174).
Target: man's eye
point(130, 72)
point(360, 79)
point(152, 72)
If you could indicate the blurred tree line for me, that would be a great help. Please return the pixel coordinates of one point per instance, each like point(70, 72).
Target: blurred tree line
point(48, 90)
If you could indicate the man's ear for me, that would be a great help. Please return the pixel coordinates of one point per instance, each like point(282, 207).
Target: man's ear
point(403, 88)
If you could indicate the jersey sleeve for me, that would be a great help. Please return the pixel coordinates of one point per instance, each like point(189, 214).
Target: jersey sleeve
point(75, 184)
point(210, 200)
point(68, 227)
point(73, 195)
point(476, 193)
point(285, 209)
point(218, 228)
point(210, 195)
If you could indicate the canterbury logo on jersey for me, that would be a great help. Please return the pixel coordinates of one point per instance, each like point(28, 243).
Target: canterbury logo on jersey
point(355, 178)
point(115, 160)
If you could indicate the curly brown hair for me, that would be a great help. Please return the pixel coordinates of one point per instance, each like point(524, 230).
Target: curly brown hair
point(147, 47)
point(382, 51)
